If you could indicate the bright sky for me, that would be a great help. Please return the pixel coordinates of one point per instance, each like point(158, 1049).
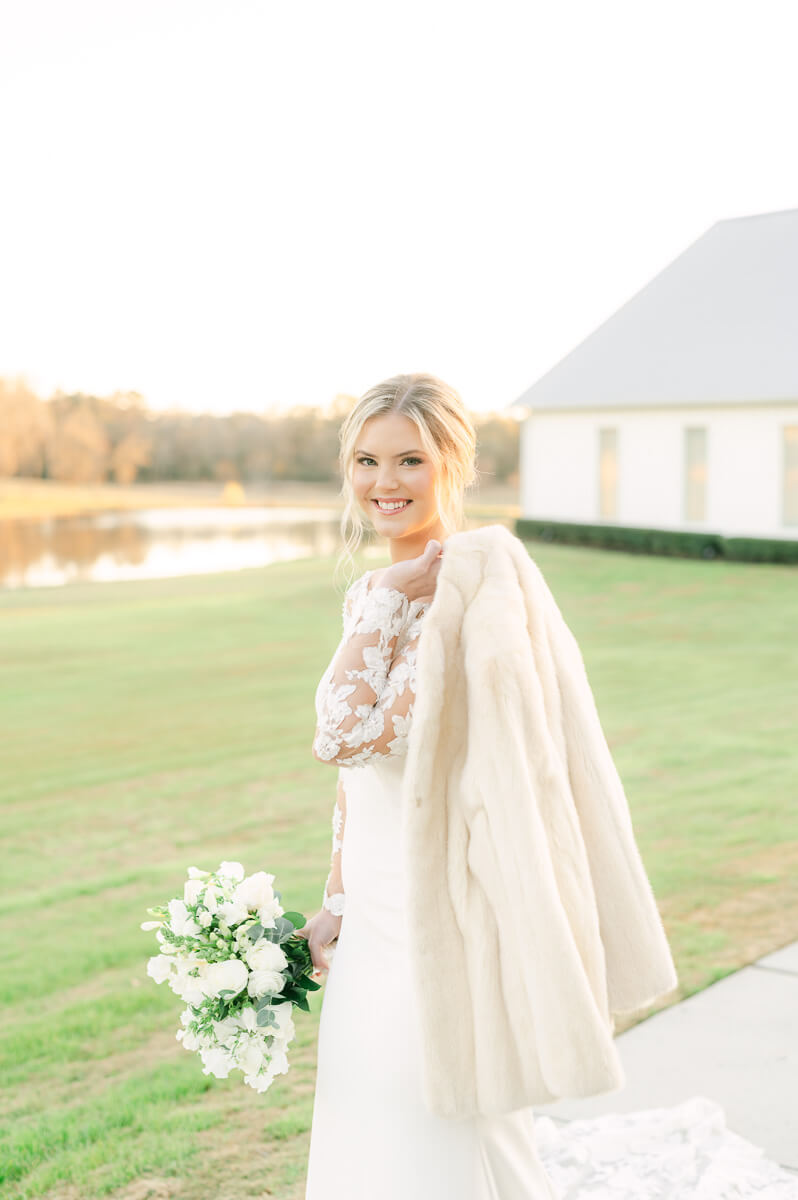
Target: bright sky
point(251, 203)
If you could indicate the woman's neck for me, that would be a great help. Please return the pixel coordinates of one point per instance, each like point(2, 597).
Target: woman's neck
point(411, 546)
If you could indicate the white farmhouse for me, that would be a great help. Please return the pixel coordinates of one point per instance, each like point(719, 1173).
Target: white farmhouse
point(680, 412)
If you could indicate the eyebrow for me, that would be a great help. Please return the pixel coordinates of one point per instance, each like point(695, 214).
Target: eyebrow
point(404, 452)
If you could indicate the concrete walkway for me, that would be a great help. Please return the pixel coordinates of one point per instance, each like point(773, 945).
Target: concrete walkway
point(735, 1042)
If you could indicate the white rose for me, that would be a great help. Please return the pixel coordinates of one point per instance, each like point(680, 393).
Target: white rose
point(191, 890)
point(231, 870)
point(159, 967)
point(260, 982)
point(255, 890)
point(266, 956)
point(221, 976)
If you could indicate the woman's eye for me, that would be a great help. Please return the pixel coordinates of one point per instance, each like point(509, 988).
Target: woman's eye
point(409, 459)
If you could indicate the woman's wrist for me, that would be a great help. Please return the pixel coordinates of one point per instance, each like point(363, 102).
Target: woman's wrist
point(334, 903)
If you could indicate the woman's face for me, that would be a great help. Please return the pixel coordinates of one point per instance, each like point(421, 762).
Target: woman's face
point(391, 465)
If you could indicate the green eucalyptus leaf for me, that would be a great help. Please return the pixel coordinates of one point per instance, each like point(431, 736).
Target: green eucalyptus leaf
point(296, 919)
point(284, 929)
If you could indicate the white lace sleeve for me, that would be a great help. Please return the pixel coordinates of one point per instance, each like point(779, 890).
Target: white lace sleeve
point(334, 885)
point(364, 702)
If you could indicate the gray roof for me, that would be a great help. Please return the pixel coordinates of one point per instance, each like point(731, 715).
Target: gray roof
point(717, 326)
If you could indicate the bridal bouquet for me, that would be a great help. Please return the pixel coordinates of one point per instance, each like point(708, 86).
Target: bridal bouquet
point(230, 952)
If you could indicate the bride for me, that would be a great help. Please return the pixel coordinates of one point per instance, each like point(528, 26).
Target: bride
point(407, 455)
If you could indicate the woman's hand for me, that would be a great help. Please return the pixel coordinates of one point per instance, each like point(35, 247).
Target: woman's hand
point(320, 931)
point(416, 577)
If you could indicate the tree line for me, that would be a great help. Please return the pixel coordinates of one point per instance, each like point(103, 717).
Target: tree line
point(80, 438)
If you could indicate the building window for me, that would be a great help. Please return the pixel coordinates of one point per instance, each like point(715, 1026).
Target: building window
point(789, 499)
point(695, 474)
point(608, 473)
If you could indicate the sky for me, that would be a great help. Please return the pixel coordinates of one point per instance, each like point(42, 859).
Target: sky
point(254, 205)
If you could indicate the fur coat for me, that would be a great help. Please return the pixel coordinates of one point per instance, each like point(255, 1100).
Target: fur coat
point(533, 919)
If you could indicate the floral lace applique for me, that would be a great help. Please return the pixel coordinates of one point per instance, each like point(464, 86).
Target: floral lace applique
point(358, 722)
point(364, 701)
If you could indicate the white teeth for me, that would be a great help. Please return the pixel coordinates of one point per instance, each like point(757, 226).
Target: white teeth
point(393, 506)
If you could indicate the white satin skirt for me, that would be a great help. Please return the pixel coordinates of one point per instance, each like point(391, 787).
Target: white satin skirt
point(372, 1137)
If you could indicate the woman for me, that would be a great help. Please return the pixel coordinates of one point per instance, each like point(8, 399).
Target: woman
point(407, 454)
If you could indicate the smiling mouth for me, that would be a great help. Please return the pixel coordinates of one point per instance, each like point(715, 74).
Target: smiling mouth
point(400, 507)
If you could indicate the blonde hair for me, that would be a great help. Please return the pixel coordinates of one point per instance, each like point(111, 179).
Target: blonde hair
point(447, 435)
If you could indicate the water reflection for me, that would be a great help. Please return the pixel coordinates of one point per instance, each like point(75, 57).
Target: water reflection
point(159, 543)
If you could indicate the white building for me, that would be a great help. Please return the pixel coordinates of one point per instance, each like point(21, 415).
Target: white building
point(680, 411)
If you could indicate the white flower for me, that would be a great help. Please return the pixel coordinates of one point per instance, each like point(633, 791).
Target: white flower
point(179, 920)
point(196, 873)
point(232, 870)
point(249, 1055)
point(148, 925)
point(260, 1082)
point(216, 1062)
point(159, 967)
point(279, 1059)
point(266, 956)
point(211, 898)
point(226, 1030)
point(190, 1040)
point(218, 977)
point(191, 890)
point(248, 1019)
point(260, 982)
point(232, 912)
point(205, 919)
point(189, 987)
point(269, 911)
point(286, 1029)
point(255, 890)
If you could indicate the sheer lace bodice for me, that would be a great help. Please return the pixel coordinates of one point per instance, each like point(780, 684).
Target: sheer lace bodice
point(364, 700)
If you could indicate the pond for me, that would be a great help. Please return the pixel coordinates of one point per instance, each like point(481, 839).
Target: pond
point(157, 543)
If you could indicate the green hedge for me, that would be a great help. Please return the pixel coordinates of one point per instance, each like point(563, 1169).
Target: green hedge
point(660, 541)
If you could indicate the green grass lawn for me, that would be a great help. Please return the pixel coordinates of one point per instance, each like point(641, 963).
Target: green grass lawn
point(149, 726)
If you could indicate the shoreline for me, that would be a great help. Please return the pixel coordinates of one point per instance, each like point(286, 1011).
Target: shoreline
point(44, 499)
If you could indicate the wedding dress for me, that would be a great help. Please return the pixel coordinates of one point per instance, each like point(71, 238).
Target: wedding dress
point(372, 1137)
